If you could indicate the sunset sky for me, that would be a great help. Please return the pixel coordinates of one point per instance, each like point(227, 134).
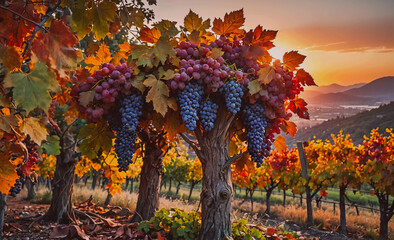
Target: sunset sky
point(345, 41)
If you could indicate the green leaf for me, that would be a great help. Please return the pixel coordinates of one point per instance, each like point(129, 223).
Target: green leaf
point(95, 136)
point(144, 226)
point(158, 94)
point(52, 145)
point(104, 12)
point(81, 19)
point(143, 55)
point(254, 86)
point(194, 22)
point(163, 50)
point(31, 90)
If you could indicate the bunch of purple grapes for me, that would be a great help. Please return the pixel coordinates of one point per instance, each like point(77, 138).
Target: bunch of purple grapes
point(207, 114)
point(189, 100)
point(107, 83)
point(232, 92)
point(16, 189)
point(255, 122)
point(195, 64)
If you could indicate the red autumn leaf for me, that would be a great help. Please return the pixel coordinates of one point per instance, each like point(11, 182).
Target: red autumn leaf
point(304, 78)
point(260, 37)
point(323, 193)
point(13, 28)
point(150, 35)
point(288, 127)
point(298, 106)
point(271, 231)
point(57, 46)
point(231, 24)
point(293, 59)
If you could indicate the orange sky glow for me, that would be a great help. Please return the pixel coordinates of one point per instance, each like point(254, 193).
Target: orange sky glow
point(345, 42)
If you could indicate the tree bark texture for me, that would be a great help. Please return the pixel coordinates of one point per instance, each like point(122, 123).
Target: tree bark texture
point(217, 188)
point(342, 210)
point(385, 215)
point(268, 201)
point(151, 174)
point(191, 190)
point(284, 198)
point(3, 208)
point(107, 199)
point(61, 210)
point(30, 188)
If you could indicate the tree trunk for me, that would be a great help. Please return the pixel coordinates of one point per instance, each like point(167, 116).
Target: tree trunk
point(30, 188)
point(191, 190)
point(127, 183)
point(61, 210)
point(384, 216)
point(177, 189)
point(169, 188)
point(3, 208)
point(268, 201)
point(217, 188)
point(284, 198)
point(301, 199)
point(150, 178)
point(251, 197)
point(132, 185)
point(342, 210)
point(94, 179)
point(107, 199)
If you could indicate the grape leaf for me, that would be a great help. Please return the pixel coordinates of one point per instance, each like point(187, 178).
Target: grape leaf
point(163, 50)
point(81, 19)
point(260, 37)
point(279, 143)
point(298, 106)
point(167, 28)
point(304, 78)
point(143, 55)
point(95, 136)
point(102, 13)
point(231, 24)
point(86, 97)
point(35, 129)
point(132, 16)
point(103, 55)
point(57, 47)
point(265, 75)
point(52, 145)
point(254, 86)
point(150, 35)
point(194, 22)
point(293, 59)
point(215, 53)
point(8, 121)
point(8, 174)
point(31, 90)
point(10, 57)
point(158, 94)
point(288, 127)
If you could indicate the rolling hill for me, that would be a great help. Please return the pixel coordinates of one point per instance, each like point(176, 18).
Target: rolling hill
point(357, 126)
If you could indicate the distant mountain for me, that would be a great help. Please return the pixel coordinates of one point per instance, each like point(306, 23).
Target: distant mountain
point(337, 87)
point(379, 88)
point(375, 92)
point(357, 125)
point(341, 99)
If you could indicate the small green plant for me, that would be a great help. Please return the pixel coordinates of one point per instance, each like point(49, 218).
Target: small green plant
point(175, 223)
point(242, 231)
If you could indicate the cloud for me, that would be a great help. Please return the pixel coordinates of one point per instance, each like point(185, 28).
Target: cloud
point(372, 36)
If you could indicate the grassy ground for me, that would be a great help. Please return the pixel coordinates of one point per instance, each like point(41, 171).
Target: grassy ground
point(367, 224)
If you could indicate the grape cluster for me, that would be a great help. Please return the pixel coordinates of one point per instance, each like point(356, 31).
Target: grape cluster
point(16, 189)
point(107, 83)
point(32, 157)
point(207, 114)
point(195, 64)
point(189, 102)
point(130, 110)
point(255, 123)
point(233, 93)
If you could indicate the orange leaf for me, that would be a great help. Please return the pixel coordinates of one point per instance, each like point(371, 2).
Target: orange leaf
point(231, 24)
point(280, 143)
point(271, 231)
point(159, 237)
point(150, 35)
point(293, 59)
point(8, 173)
point(260, 37)
point(304, 78)
point(103, 55)
point(289, 127)
point(298, 106)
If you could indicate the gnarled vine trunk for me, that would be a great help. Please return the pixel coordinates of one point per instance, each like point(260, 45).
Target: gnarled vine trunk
point(386, 212)
point(3, 208)
point(342, 209)
point(217, 188)
point(151, 173)
point(61, 210)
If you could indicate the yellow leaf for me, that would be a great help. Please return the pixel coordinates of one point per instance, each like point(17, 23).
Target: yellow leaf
point(35, 129)
point(158, 94)
point(266, 74)
point(103, 55)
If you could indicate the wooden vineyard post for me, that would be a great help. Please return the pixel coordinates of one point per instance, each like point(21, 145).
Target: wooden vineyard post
point(3, 208)
point(304, 167)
